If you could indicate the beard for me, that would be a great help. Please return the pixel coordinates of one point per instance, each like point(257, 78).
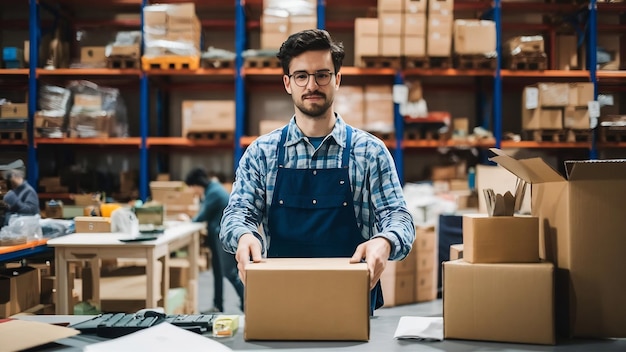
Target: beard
point(316, 109)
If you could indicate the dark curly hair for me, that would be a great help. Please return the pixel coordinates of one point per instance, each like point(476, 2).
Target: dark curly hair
point(310, 40)
point(197, 177)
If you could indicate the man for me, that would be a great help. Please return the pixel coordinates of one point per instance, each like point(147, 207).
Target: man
point(22, 199)
point(319, 187)
point(214, 199)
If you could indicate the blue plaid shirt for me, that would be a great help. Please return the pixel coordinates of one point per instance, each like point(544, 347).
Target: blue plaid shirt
point(379, 203)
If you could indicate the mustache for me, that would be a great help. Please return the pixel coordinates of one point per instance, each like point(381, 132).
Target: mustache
point(314, 94)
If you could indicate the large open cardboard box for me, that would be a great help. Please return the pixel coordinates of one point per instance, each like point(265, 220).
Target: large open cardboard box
point(582, 230)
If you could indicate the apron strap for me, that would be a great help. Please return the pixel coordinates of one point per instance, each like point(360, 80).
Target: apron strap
point(345, 158)
point(281, 147)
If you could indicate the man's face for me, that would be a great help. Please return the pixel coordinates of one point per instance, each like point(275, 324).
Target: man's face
point(312, 99)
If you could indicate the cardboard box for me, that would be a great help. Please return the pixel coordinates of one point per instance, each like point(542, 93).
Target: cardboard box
point(474, 37)
point(500, 239)
point(208, 116)
point(440, 6)
point(414, 46)
point(553, 94)
point(366, 39)
point(350, 105)
point(499, 302)
point(414, 24)
point(456, 251)
point(88, 224)
point(92, 54)
point(390, 45)
point(567, 52)
point(580, 94)
point(307, 299)
point(379, 114)
point(581, 231)
point(398, 286)
point(576, 118)
point(386, 6)
point(19, 290)
point(542, 118)
point(426, 264)
point(415, 6)
point(438, 44)
point(390, 24)
point(14, 111)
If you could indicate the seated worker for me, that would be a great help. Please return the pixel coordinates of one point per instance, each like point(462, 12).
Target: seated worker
point(21, 199)
point(214, 199)
point(319, 187)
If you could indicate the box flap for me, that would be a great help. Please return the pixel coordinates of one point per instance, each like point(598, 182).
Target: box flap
point(30, 334)
point(614, 169)
point(533, 170)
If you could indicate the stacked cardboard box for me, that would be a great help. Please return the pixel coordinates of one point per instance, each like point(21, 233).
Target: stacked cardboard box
point(208, 116)
point(474, 37)
point(19, 290)
point(413, 279)
point(402, 27)
point(510, 290)
point(171, 29)
point(379, 114)
point(556, 106)
point(581, 226)
point(282, 18)
point(426, 266)
point(440, 18)
point(350, 104)
point(365, 39)
point(175, 196)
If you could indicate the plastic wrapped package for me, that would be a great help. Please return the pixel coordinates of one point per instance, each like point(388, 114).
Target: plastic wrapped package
point(171, 29)
point(51, 118)
point(522, 45)
point(20, 229)
point(97, 111)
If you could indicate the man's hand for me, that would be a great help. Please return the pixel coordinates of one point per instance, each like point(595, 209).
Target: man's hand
point(249, 247)
point(376, 253)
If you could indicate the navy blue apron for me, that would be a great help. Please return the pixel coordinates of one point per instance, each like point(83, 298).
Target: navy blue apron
point(312, 213)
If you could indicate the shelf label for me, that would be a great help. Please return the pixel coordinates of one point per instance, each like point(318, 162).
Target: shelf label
point(594, 113)
point(400, 93)
point(532, 97)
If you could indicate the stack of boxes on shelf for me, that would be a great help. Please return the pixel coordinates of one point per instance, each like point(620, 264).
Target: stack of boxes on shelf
point(212, 119)
point(281, 18)
point(368, 107)
point(557, 106)
point(414, 279)
point(403, 29)
point(172, 36)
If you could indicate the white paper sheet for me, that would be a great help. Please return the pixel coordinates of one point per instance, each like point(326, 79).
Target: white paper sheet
point(163, 337)
point(420, 328)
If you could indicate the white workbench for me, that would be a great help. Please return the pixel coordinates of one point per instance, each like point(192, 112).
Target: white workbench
point(93, 247)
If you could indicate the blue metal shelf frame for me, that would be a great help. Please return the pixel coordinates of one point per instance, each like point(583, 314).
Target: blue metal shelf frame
point(592, 40)
point(497, 81)
point(144, 121)
point(32, 163)
point(240, 83)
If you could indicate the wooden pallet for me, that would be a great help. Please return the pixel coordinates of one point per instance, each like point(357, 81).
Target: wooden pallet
point(122, 62)
point(217, 63)
point(612, 134)
point(475, 62)
point(527, 62)
point(170, 63)
point(261, 62)
point(211, 135)
point(566, 135)
point(382, 62)
point(15, 135)
point(427, 62)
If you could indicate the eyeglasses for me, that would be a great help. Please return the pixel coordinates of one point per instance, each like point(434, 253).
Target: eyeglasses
point(301, 78)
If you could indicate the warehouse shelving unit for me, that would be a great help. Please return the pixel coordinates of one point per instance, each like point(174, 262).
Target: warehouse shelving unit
point(157, 83)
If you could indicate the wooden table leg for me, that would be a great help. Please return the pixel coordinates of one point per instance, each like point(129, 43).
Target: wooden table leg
point(62, 283)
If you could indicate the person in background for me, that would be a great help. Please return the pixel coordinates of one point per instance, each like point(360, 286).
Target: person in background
point(214, 199)
point(21, 199)
point(319, 187)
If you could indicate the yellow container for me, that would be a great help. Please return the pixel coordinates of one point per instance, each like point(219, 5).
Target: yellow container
point(107, 208)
